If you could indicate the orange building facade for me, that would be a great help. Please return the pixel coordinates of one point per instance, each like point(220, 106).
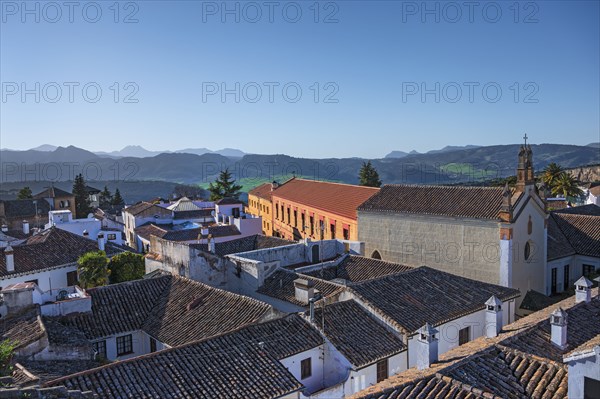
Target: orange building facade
point(319, 210)
point(259, 204)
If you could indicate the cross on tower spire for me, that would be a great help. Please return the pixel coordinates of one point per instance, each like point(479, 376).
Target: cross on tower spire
point(525, 138)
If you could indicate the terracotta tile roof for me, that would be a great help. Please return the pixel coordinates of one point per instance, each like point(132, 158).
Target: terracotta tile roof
point(227, 366)
point(263, 191)
point(53, 247)
point(143, 206)
point(583, 326)
point(589, 209)
point(535, 301)
point(336, 198)
point(581, 231)
point(455, 201)
point(558, 245)
point(595, 191)
point(587, 346)
point(167, 232)
point(412, 298)
point(192, 214)
point(48, 370)
point(357, 334)
point(280, 285)
point(452, 377)
point(228, 201)
point(173, 309)
point(23, 328)
point(245, 244)
point(354, 269)
point(26, 209)
point(52, 192)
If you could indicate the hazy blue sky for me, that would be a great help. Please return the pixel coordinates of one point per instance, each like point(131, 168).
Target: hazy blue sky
point(370, 62)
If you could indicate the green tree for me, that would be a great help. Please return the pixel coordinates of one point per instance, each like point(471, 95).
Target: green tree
point(117, 199)
point(224, 187)
point(82, 200)
point(7, 348)
point(105, 198)
point(126, 266)
point(566, 185)
point(25, 193)
point(368, 175)
point(93, 269)
point(551, 174)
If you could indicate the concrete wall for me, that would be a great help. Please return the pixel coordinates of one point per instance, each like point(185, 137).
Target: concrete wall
point(48, 279)
point(466, 247)
point(292, 363)
point(140, 344)
point(584, 367)
point(575, 263)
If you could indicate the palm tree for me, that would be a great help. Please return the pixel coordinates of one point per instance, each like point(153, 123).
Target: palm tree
point(551, 174)
point(566, 185)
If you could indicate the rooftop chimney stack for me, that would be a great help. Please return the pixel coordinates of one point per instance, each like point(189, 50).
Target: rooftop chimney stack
point(427, 346)
point(304, 290)
point(4, 228)
point(211, 245)
point(10, 258)
point(558, 327)
point(204, 230)
point(312, 301)
point(583, 290)
point(25, 227)
point(86, 234)
point(493, 317)
point(101, 241)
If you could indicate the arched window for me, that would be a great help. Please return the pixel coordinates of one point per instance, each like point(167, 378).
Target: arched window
point(376, 255)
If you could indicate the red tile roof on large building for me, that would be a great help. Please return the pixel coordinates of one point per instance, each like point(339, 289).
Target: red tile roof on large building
point(453, 201)
point(264, 191)
point(336, 198)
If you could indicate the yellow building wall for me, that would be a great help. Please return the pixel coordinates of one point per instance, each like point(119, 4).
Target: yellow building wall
point(261, 207)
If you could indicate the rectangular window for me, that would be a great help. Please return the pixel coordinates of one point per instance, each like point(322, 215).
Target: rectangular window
point(295, 218)
point(566, 277)
point(124, 345)
point(276, 212)
point(100, 348)
point(553, 281)
point(382, 370)
point(289, 217)
point(72, 278)
point(591, 388)
point(332, 227)
point(312, 225)
point(111, 237)
point(303, 219)
point(464, 335)
point(588, 270)
point(152, 345)
point(347, 233)
point(305, 368)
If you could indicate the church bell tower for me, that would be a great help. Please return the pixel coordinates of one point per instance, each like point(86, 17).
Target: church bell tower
point(525, 167)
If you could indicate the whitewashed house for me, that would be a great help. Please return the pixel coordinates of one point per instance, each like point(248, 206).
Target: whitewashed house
point(89, 227)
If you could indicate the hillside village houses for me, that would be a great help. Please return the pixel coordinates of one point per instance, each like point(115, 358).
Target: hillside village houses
point(188, 221)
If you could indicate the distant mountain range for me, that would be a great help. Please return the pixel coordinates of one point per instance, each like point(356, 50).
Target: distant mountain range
point(448, 148)
point(446, 166)
point(138, 151)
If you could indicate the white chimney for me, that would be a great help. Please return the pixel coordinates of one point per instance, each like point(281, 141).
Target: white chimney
point(231, 219)
point(25, 227)
point(493, 317)
point(10, 258)
point(427, 346)
point(558, 328)
point(204, 230)
point(101, 241)
point(211, 245)
point(304, 290)
point(311, 302)
point(4, 228)
point(583, 290)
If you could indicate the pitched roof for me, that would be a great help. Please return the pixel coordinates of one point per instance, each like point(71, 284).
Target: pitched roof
point(92, 190)
point(336, 198)
point(357, 334)
point(589, 209)
point(221, 367)
point(26, 208)
point(534, 301)
point(558, 244)
point(228, 201)
point(23, 328)
point(244, 244)
point(581, 231)
point(172, 233)
point(421, 295)
point(173, 309)
point(47, 370)
point(280, 285)
point(52, 247)
point(143, 206)
point(354, 269)
point(455, 201)
point(52, 192)
point(264, 191)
